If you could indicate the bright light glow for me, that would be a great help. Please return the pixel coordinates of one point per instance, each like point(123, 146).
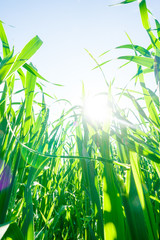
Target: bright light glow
point(97, 109)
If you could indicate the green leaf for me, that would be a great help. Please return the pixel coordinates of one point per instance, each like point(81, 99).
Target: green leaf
point(5, 44)
point(3, 101)
point(112, 211)
point(6, 68)
point(27, 216)
point(158, 28)
point(144, 14)
point(13, 232)
point(30, 83)
point(137, 48)
point(123, 2)
point(27, 52)
point(137, 146)
point(153, 114)
point(6, 59)
point(144, 71)
point(32, 70)
point(149, 229)
point(144, 61)
point(18, 60)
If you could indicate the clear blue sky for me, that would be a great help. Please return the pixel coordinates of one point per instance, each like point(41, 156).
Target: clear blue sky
point(67, 27)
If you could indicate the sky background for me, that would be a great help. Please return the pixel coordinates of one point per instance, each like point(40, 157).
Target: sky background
point(67, 28)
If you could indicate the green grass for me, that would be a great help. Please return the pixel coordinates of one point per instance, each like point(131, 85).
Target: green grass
point(73, 179)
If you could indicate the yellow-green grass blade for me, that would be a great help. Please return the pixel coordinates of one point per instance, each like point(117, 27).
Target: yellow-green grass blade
point(151, 213)
point(157, 69)
point(5, 44)
point(154, 97)
point(3, 102)
point(36, 127)
point(122, 151)
point(144, 14)
point(22, 77)
point(85, 181)
point(133, 199)
point(112, 208)
point(80, 151)
point(138, 146)
point(20, 115)
point(149, 103)
point(33, 70)
point(140, 110)
point(151, 229)
point(89, 182)
point(27, 216)
point(18, 60)
point(146, 23)
point(144, 61)
point(35, 160)
point(158, 28)
point(133, 210)
point(143, 51)
point(144, 71)
point(30, 83)
point(10, 82)
point(38, 141)
point(6, 68)
point(6, 59)
point(157, 168)
point(4, 136)
point(94, 196)
point(27, 52)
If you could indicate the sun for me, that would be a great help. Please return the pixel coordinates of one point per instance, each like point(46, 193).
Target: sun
point(97, 109)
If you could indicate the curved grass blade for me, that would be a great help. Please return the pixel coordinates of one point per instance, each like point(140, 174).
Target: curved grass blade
point(144, 61)
point(30, 83)
point(137, 48)
point(18, 60)
point(5, 44)
point(144, 14)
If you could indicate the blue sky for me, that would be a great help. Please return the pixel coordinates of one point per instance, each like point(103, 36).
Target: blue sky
point(69, 27)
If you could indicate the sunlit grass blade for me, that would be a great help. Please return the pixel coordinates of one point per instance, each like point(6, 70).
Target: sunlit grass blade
point(150, 230)
point(149, 103)
point(144, 14)
point(5, 44)
point(27, 223)
point(18, 60)
point(3, 102)
point(112, 211)
point(30, 83)
point(143, 51)
point(144, 61)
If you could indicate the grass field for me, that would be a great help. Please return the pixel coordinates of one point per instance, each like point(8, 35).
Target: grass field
point(76, 178)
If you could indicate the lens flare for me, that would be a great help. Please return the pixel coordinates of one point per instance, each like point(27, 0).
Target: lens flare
point(97, 109)
point(5, 175)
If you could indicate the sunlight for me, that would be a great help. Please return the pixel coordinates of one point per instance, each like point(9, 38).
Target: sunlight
point(97, 109)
